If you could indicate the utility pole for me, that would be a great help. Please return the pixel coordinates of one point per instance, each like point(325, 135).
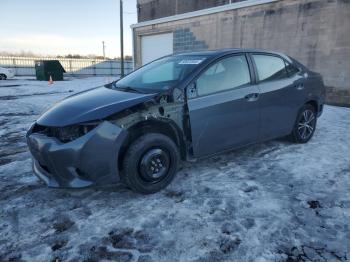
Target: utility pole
point(104, 49)
point(121, 41)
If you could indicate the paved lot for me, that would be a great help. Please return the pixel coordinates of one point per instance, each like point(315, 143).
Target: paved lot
point(274, 201)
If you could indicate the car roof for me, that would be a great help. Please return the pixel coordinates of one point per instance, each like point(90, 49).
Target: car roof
point(221, 52)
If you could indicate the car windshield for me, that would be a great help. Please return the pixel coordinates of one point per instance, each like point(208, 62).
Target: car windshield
point(161, 74)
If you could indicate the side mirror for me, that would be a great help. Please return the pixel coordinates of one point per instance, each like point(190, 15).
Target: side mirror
point(192, 90)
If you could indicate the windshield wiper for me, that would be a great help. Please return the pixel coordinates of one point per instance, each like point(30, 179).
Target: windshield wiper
point(127, 88)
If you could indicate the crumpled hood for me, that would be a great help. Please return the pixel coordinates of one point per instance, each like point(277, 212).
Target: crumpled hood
point(91, 105)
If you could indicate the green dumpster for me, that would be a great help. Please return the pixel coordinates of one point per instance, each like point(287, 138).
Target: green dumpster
point(46, 68)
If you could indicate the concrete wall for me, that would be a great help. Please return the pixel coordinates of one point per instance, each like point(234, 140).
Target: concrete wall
point(153, 9)
point(315, 32)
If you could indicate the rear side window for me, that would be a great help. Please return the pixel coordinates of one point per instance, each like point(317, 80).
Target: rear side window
point(225, 74)
point(270, 68)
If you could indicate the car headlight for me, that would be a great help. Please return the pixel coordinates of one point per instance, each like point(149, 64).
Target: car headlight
point(65, 134)
point(71, 133)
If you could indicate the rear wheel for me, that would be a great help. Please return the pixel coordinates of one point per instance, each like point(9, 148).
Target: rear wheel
point(150, 163)
point(305, 125)
point(3, 77)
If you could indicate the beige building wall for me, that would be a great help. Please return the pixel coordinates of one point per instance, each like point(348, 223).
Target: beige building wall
point(315, 32)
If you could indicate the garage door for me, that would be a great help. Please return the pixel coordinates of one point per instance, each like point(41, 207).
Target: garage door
point(155, 46)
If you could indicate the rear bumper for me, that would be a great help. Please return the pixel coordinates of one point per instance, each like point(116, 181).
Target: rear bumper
point(320, 110)
point(89, 160)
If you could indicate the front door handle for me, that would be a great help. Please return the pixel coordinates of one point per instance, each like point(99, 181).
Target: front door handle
point(252, 97)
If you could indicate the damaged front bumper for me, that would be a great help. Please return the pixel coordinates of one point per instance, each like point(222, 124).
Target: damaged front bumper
point(91, 159)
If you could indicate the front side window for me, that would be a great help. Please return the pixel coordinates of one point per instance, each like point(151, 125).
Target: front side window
point(228, 73)
point(270, 68)
point(161, 74)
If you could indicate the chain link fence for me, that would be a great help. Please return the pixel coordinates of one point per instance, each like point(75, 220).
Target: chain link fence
point(25, 66)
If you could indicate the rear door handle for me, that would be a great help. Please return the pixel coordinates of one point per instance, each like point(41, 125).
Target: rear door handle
point(299, 86)
point(252, 97)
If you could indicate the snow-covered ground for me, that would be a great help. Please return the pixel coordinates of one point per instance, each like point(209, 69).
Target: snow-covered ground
point(274, 201)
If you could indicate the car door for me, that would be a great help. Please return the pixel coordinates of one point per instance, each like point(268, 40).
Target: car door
point(223, 107)
point(279, 97)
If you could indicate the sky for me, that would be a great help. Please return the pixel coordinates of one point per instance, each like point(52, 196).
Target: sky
point(61, 27)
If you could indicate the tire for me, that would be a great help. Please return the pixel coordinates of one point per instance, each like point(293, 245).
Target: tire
point(3, 77)
point(150, 163)
point(305, 124)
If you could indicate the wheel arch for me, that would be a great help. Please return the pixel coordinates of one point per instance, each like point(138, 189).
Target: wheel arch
point(166, 127)
point(313, 103)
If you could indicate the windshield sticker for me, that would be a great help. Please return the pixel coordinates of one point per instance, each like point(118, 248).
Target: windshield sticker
point(191, 62)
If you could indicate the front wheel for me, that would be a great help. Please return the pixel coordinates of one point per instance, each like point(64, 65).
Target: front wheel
point(3, 77)
point(150, 163)
point(305, 125)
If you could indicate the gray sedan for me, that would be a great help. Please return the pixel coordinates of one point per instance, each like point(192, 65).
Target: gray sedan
point(180, 107)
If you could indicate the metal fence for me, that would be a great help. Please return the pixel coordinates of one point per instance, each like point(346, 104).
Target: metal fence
point(25, 66)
